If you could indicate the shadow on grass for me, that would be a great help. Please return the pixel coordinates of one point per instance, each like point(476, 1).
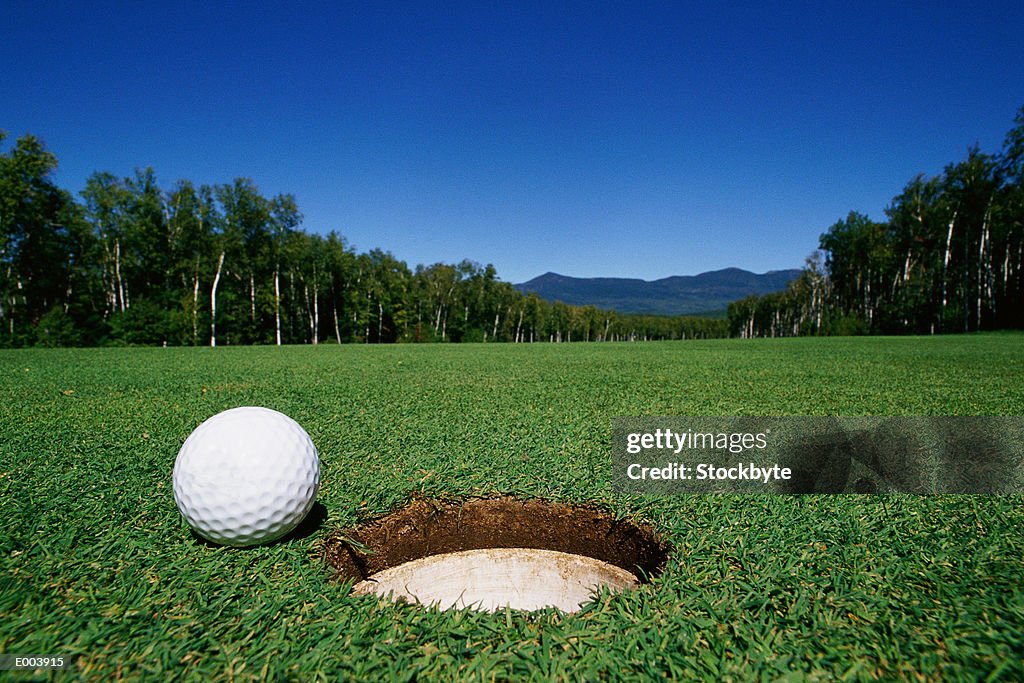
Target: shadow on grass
point(307, 527)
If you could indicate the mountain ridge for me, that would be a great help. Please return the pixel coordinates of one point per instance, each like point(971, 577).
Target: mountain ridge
point(706, 292)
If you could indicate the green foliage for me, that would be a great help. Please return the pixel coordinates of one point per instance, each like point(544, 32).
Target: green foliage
point(99, 567)
point(135, 264)
point(950, 258)
point(145, 323)
point(225, 265)
point(39, 231)
point(57, 328)
point(847, 324)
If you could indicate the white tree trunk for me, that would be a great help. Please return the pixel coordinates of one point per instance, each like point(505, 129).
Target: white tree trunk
point(111, 285)
point(309, 309)
point(1006, 270)
point(195, 307)
point(277, 305)
point(980, 271)
point(117, 274)
point(213, 301)
point(945, 263)
point(316, 310)
point(869, 307)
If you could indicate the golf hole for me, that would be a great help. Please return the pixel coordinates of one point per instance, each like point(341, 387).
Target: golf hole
point(492, 553)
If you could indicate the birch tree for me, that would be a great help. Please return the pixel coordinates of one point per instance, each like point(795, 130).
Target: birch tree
point(285, 218)
point(107, 203)
point(969, 193)
point(191, 218)
point(247, 246)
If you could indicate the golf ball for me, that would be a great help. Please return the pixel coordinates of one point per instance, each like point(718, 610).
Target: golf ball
point(246, 476)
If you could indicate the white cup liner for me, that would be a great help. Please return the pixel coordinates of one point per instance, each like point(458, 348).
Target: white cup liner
point(492, 578)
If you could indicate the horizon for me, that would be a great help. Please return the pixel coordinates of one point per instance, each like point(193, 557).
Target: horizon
point(667, 277)
point(533, 138)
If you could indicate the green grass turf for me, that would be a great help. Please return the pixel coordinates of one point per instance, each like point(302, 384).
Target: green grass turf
point(97, 565)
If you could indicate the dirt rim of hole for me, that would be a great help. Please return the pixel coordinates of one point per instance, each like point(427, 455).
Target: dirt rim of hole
point(423, 528)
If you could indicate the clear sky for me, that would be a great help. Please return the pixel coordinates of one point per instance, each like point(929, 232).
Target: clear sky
point(629, 139)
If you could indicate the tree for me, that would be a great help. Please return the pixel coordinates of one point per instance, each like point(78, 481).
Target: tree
point(39, 228)
point(859, 261)
point(338, 267)
point(191, 216)
point(1008, 231)
point(916, 228)
point(285, 219)
point(142, 257)
point(106, 209)
point(386, 283)
point(970, 191)
point(246, 246)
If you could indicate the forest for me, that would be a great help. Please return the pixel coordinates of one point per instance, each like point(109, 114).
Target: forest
point(128, 262)
point(948, 258)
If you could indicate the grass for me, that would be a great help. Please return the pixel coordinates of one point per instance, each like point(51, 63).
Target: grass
point(97, 565)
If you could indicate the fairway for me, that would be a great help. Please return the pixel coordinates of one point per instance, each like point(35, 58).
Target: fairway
point(98, 566)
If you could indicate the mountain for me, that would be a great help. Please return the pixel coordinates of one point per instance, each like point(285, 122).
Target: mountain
point(677, 295)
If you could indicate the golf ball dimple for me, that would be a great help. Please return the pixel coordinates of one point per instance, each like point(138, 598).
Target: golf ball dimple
point(246, 476)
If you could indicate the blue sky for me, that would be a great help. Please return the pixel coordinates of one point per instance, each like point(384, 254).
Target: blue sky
point(631, 139)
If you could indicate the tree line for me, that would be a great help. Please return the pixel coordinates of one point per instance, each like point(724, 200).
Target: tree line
point(130, 262)
point(948, 258)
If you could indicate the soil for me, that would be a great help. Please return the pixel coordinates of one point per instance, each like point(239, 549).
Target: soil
point(426, 527)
